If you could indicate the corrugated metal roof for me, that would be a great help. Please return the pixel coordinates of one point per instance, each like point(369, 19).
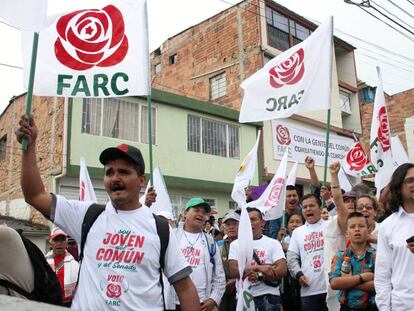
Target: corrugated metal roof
point(24, 225)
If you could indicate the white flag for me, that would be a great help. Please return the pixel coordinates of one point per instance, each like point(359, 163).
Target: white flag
point(344, 180)
point(86, 191)
point(163, 201)
point(98, 52)
point(29, 15)
point(245, 174)
point(380, 140)
point(356, 162)
point(399, 155)
point(272, 200)
point(245, 237)
point(297, 80)
point(291, 180)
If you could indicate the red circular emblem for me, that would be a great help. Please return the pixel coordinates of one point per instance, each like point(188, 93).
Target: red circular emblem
point(274, 195)
point(383, 130)
point(289, 71)
point(89, 38)
point(357, 158)
point(113, 290)
point(282, 135)
point(123, 147)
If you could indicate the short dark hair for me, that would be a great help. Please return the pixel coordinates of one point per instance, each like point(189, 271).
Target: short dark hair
point(291, 187)
point(361, 188)
point(295, 214)
point(397, 180)
point(255, 209)
point(355, 215)
point(209, 221)
point(311, 195)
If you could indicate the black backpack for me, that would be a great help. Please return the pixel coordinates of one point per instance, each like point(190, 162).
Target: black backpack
point(46, 284)
point(163, 231)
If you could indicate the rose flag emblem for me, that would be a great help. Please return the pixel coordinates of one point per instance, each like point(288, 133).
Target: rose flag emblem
point(282, 135)
point(289, 71)
point(98, 51)
point(383, 129)
point(90, 38)
point(356, 157)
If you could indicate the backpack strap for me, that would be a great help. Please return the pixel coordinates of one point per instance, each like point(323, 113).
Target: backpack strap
point(163, 231)
point(91, 215)
point(11, 286)
point(212, 249)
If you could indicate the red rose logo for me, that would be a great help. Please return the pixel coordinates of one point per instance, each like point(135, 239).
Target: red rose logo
point(356, 158)
point(288, 72)
point(90, 38)
point(113, 290)
point(274, 195)
point(383, 130)
point(123, 147)
point(282, 135)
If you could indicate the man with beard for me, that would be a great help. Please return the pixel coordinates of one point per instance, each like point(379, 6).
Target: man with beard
point(305, 256)
point(121, 263)
point(203, 255)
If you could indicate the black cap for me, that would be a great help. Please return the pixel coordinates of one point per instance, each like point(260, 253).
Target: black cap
point(123, 151)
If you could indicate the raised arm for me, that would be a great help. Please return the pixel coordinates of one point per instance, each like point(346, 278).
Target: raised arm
point(310, 165)
point(31, 182)
point(337, 195)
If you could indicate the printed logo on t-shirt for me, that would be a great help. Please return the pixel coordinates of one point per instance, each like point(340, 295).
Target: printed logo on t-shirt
point(261, 254)
point(114, 286)
point(192, 255)
point(313, 244)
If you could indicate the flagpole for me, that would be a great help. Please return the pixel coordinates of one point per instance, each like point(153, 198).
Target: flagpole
point(150, 135)
point(31, 83)
point(328, 121)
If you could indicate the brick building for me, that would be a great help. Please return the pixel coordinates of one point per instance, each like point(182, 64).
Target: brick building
point(209, 60)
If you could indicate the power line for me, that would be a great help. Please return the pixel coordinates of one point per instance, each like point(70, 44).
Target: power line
point(389, 18)
point(400, 8)
point(409, 1)
point(391, 14)
point(11, 66)
point(10, 25)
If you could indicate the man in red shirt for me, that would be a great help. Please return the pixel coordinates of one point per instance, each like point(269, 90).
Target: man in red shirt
point(63, 263)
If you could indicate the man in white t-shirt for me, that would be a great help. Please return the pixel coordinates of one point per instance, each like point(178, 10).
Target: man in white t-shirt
point(269, 253)
point(305, 256)
point(203, 255)
point(121, 265)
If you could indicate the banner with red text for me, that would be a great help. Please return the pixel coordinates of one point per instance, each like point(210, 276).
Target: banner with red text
point(97, 52)
point(303, 140)
point(297, 80)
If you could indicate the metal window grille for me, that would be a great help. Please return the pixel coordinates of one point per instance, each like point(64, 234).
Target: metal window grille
point(218, 86)
point(345, 102)
point(3, 147)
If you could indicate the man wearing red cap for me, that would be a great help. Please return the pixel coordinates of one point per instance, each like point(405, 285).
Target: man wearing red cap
point(121, 264)
point(63, 263)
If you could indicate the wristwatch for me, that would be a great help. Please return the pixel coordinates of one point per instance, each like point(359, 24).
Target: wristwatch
point(260, 276)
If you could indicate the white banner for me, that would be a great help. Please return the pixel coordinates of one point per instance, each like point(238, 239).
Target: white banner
point(98, 52)
point(304, 140)
point(296, 80)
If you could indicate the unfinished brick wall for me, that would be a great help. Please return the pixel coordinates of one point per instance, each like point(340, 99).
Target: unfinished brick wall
point(48, 113)
point(227, 42)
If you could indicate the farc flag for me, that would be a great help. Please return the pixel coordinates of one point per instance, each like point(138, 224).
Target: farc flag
point(272, 200)
point(86, 192)
point(98, 52)
point(356, 162)
point(29, 15)
point(245, 174)
point(380, 141)
point(297, 80)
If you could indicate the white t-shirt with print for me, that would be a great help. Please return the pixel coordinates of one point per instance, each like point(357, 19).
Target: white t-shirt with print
point(268, 250)
point(193, 246)
point(308, 242)
point(120, 269)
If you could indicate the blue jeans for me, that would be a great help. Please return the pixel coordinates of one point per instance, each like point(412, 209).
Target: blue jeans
point(267, 303)
point(314, 303)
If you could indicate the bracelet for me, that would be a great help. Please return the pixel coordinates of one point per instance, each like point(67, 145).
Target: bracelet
point(361, 280)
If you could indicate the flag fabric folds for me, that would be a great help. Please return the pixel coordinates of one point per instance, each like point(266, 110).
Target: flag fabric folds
point(245, 174)
point(297, 80)
point(163, 201)
point(356, 162)
point(86, 191)
point(98, 52)
point(399, 155)
point(380, 139)
point(28, 15)
point(291, 180)
point(272, 200)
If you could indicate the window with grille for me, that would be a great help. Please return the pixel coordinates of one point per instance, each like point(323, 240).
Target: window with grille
point(218, 86)
point(345, 102)
point(3, 147)
point(178, 203)
point(284, 32)
point(115, 118)
point(212, 137)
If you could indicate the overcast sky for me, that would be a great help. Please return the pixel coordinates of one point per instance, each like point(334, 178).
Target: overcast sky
point(166, 18)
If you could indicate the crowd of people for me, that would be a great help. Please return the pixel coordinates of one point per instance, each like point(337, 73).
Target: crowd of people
point(331, 250)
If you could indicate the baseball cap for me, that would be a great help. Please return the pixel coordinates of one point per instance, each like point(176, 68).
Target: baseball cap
point(231, 215)
point(349, 194)
point(198, 201)
point(56, 231)
point(123, 151)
